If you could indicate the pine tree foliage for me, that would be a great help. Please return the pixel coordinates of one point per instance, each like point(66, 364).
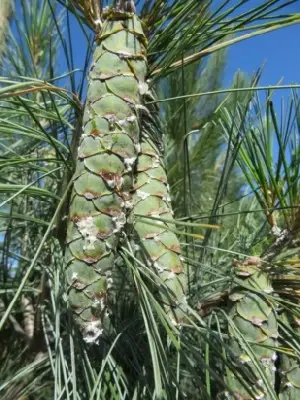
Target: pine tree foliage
point(204, 299)
point(5, 9)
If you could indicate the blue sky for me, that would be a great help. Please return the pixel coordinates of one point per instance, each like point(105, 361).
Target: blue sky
point(279, 49)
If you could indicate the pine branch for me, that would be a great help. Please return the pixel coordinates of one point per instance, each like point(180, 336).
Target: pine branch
point(5, 11)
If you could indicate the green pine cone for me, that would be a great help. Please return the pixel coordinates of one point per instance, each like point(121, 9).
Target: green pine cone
point(254, 317)
point(286, 283)
point(103, 180)
point(159, 244)
point(289, 365)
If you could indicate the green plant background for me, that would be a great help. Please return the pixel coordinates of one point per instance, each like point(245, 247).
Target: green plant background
point(232, 161)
